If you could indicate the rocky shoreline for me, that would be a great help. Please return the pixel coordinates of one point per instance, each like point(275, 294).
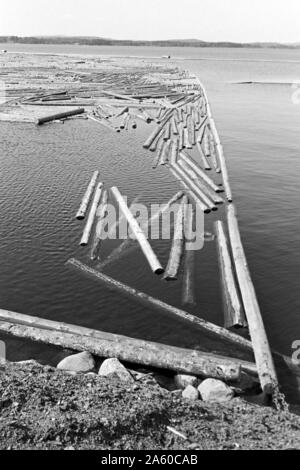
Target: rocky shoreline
point(86, 404)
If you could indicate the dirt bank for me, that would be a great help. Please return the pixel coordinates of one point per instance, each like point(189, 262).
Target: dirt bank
point(42, 408)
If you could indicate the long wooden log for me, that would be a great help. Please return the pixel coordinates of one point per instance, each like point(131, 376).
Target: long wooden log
point(190, 189)
point(202, 174)
point(188, 166)
point(89, 224)
point(203, 325)
point(175, 257)
point(188, 284)
point(54, 117)
point(128, 243)
point(165, 153)
point(194, 178)
point(195, 188)
point(86, 198)
point(160, 149)
point(233, 310)
point(146, 353)
point(204, 160)
point(186, 139)
point(262, 352)
point(139, 234)
point(102, 209)
point(158, 129)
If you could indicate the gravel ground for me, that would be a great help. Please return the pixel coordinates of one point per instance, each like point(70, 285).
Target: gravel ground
point(42, 408)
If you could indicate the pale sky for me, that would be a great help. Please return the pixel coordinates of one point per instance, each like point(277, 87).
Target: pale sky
point(210, 20)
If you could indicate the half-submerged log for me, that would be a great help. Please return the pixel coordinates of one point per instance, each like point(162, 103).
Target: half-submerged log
point(134, 351)
point(175, 257)
point(233, 310)
point(158, 129)
point(102, 209)
point(54, 117)
point(138, 232)
point(262, 352)
point(86, 198)
point(203, 325)
point(89, 224)
point(188, 284)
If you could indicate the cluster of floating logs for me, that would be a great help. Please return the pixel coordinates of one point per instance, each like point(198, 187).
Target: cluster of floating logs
point(186, 142)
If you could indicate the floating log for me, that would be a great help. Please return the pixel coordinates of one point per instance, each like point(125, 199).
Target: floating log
point(196, 189)
point(186, 141)
point(188, 284)
point(174, 126)
point(158, 129)
point(190, 186)
point(102, 209)
point(133, 124)
point(204, 160)
point(103, 123)
point(203, 325)
point(167, 134)
point(262, 352)
point(189, 167)
point(203, 175)
point(117, 95)
point(160, 149)
point(125, 110)
point(213, 153)
point(55, 117)
point(172, 269)
point(174, 151)
point(193, 177)
point(165, 153)
point(86, 198)
point(127, 244)
point(130, 350)
point(138, 232)
point(206, 144)
point(200, 135)
point(233, 310)
point(89, 224)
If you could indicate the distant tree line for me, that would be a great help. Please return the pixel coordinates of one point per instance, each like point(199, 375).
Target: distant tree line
point(94, 41)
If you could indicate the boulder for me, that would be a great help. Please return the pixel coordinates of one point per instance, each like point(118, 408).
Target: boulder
point(82, 362)
point(190, 393)
point(183, 380)
point(215, 390)
point(113, 367)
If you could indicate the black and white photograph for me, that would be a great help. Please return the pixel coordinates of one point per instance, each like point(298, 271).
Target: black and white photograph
point(149, 228)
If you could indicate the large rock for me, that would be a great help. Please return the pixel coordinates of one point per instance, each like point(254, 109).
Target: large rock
point(215, 390)
point(183, 380)
point(113, 367)
point(82, 362)
point(191, 393)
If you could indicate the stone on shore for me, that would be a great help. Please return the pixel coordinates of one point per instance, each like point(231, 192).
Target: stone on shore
point(183, 380)
point(190, 393)
point(113, 367)
point(82, 362)
point(215, 390)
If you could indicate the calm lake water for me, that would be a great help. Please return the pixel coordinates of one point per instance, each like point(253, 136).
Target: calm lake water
point(44, 172)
